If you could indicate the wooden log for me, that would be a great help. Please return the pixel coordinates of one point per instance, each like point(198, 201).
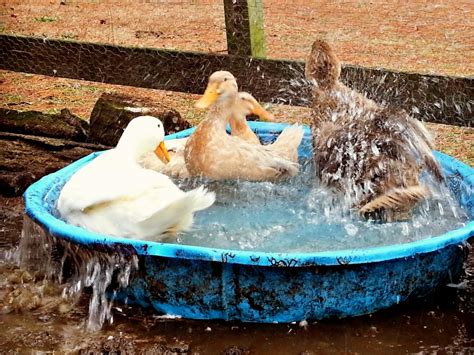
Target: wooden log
point(113, 112)
point(54, 141)
point(25, 159)
point(63, 125)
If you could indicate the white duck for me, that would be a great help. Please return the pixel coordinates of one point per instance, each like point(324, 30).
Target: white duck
point(114, 195)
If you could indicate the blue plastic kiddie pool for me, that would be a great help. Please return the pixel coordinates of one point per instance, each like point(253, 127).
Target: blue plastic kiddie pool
point(208, 283)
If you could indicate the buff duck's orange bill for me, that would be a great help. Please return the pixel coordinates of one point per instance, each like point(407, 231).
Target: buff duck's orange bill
point(262, 113)
point(209, 97)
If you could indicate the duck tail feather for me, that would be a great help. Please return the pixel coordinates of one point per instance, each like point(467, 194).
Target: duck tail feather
point(200, 198)
point(400, 198)
point(178, 215)
point(288, 142)
point(289, 169)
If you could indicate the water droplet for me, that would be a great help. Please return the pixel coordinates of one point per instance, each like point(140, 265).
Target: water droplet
point(351, 229)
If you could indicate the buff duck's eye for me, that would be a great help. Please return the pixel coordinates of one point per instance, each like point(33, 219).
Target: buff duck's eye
point(225, 79)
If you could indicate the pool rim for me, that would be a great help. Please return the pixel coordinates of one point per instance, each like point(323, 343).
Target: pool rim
point(35, 209)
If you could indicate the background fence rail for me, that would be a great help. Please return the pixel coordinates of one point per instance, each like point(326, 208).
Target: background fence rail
point(431, 98)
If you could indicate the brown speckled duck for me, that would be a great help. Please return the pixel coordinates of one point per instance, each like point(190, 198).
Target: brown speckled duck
point(372, 152)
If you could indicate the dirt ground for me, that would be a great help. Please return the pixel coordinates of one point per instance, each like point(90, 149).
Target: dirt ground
point(422, 36)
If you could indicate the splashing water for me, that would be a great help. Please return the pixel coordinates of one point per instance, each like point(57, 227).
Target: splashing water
point(76, 269)
point(299, 216)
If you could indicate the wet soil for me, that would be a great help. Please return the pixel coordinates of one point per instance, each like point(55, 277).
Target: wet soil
point(40, 320)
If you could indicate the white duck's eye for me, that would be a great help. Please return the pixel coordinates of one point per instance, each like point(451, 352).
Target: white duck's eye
point(225, 79)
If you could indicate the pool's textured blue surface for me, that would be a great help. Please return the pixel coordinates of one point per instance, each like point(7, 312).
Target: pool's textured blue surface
point(207, 283)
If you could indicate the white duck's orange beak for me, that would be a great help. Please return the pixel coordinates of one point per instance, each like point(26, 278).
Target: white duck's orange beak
point(162, 153)
point(209, 97)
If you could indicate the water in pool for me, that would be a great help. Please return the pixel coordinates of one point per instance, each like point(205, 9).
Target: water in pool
point(300, 216)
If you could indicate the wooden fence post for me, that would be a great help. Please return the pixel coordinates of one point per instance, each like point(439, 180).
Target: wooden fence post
point(244, 27)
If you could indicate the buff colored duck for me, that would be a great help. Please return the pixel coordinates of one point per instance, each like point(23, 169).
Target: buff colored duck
point(176, 167)
point(211, 152)
point(114, 195)
point(372, 152)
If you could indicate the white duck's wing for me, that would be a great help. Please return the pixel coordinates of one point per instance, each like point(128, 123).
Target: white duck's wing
point(129, 201)
point(174, 213)
point(104, 181)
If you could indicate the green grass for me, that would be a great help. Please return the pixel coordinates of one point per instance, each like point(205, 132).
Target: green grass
point(56, 100)
point(46, 19)
point(75, 90)
point(89, 88)
point(68, 35)
point(53, 111)
point(10, 98)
